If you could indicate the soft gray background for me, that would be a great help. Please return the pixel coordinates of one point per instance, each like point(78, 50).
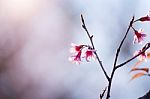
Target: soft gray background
point(35, 37)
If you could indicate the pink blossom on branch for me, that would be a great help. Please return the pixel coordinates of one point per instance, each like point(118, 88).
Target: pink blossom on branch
point(138, 36)
point(145, 18)
point(76, 48)
point(76, 58)
point(141, 57)
point(90, 54)
point(87, 52)
point(81, 51)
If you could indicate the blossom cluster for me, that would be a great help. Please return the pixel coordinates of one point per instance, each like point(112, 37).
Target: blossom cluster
point(139, 36)
point(81, 51)
point(85, 51)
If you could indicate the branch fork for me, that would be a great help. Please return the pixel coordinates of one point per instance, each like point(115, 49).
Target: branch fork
point(115, 66)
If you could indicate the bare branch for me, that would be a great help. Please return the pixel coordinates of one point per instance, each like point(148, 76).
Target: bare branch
point(118, 50)
point(116, 58)
point(91, 40)
point(102, 95)
point(146, 47)
point(115, 66)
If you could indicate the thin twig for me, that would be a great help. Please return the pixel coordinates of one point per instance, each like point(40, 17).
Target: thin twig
point(91, 40)
point(115, 66)
point(147, 46)
point(102, 95)
point(118, 50)
point(116, 58)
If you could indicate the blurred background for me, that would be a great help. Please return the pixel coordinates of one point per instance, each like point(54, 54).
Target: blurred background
point(35, 37)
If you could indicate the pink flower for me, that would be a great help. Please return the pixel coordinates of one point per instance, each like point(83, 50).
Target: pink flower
point(142, 56)
point(81, 51)
point(139, 35)
point(90, 53)
point(145, 18)
point(76, 58)
point(76, 48)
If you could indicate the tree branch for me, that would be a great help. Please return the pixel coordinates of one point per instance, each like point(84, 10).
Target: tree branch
point(146, 96)
point(102, 94)
point(146, 47)
point(115, 66)
point(116, 58)
point(118, 50)
point(91, 40)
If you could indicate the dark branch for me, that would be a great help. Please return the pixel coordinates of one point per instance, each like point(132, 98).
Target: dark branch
point(102, 95)
point(146, 47)
point(118, 50)
point(146, 96)
point(115, 66)
point(91, 40)
point(116, 58)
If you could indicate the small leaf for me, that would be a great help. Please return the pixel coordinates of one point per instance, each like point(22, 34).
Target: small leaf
point(148, 54)
point(143, 69)
point(138, 75)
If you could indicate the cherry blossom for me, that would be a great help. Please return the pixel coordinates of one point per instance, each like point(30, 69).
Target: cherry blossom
point(145, 18)
point(142, 56)
point(138, 36)
point(76, 58)
point(90, 54)
point(76, 48)
point(81, 51)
